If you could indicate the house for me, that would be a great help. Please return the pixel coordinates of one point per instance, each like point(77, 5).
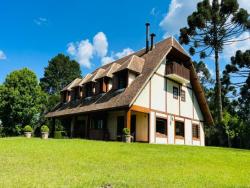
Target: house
point(155, 92)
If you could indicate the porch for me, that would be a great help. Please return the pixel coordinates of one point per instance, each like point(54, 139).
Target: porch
point(108, 125)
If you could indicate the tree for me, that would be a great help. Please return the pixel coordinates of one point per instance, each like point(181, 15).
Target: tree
point(238, 76)
point(204, 75)
point(21, 101)
point(210, 28)
point(60, 72)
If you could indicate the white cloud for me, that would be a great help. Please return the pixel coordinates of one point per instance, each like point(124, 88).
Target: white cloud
point(179, 10)
point(100, 44)
point(2, 55)
point(176, 17)
point(124, 53)
point(71, 49)
point(41, 21)
point(84, 51)
point(107, 59)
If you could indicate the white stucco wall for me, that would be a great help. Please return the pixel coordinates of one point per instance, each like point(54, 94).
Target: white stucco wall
point(143, 98)
point(161, 69)
point(171, 129)
point(188, 132)
point(186, 108)
point(172, 104)
point(131, 77)
point(152, 128)
point(141, 127)
point(158, 93)
point(197, 111)
point(202, 134)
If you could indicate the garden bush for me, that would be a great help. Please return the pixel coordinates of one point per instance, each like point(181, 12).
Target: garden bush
point(45, 128)
point(27, 128)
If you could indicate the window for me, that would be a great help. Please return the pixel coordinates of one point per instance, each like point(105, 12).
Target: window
point(179, 129)
point(175, 92)
point(161, 127)
point(196, 131)
point(183, 95)
point(89, 90)
point(97, 124)
point(122, 80)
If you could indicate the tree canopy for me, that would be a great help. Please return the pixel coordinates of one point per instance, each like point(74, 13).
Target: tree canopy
point(60, 72)
point(210, 28)
point(21, 101)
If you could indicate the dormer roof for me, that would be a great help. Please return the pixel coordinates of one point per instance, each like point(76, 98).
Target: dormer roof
point(133, 63)
point(72, 84)
point(109, 71)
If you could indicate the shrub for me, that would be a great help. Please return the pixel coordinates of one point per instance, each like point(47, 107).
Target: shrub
point(27, 128)
point(45, 129)
point(126, 131)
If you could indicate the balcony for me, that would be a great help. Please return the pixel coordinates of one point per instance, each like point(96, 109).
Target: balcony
point(177, 72)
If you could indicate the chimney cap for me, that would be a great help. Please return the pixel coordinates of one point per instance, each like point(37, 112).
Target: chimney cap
point(147, 24)
point(152, 35)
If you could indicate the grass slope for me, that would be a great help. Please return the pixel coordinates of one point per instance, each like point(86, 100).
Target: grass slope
point(83, 163)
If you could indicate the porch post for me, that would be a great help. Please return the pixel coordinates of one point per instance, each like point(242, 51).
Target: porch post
point(128, 119)
point(72, 127)
point(53, 127)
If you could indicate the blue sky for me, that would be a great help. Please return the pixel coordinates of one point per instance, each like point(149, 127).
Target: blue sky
point(92, 32)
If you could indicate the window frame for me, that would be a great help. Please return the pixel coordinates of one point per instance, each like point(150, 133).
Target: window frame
point(197, 126)
point(183, 95)
point(179, 136)
point(175, 89)
point(165, 124)
point(122, 76)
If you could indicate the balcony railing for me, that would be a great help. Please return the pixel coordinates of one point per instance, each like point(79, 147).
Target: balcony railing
point(177, 72)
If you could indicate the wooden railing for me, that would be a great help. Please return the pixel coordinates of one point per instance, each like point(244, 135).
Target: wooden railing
point(180, 70)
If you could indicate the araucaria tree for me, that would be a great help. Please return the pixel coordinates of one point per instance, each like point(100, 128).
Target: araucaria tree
point(21, 101)
point(212, 26)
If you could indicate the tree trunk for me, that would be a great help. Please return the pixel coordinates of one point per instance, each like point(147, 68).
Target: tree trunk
point(218, 88)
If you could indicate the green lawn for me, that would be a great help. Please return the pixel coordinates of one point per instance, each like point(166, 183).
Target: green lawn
point(83, 163)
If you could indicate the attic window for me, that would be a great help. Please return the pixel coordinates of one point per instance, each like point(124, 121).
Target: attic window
point(175, 92)
point(122, 80)
point(89, 89)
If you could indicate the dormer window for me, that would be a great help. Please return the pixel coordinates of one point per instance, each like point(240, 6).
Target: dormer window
point(89, 89)
point(128, 71)
point(122, 80)
point(103, 85)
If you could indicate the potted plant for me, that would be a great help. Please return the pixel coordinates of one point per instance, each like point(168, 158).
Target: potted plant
point(127, 136)
point(45, 131)
point(27, 131)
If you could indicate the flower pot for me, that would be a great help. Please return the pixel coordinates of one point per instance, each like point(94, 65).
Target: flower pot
point(127, 138)
point(27, 134)
point(45, 135)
